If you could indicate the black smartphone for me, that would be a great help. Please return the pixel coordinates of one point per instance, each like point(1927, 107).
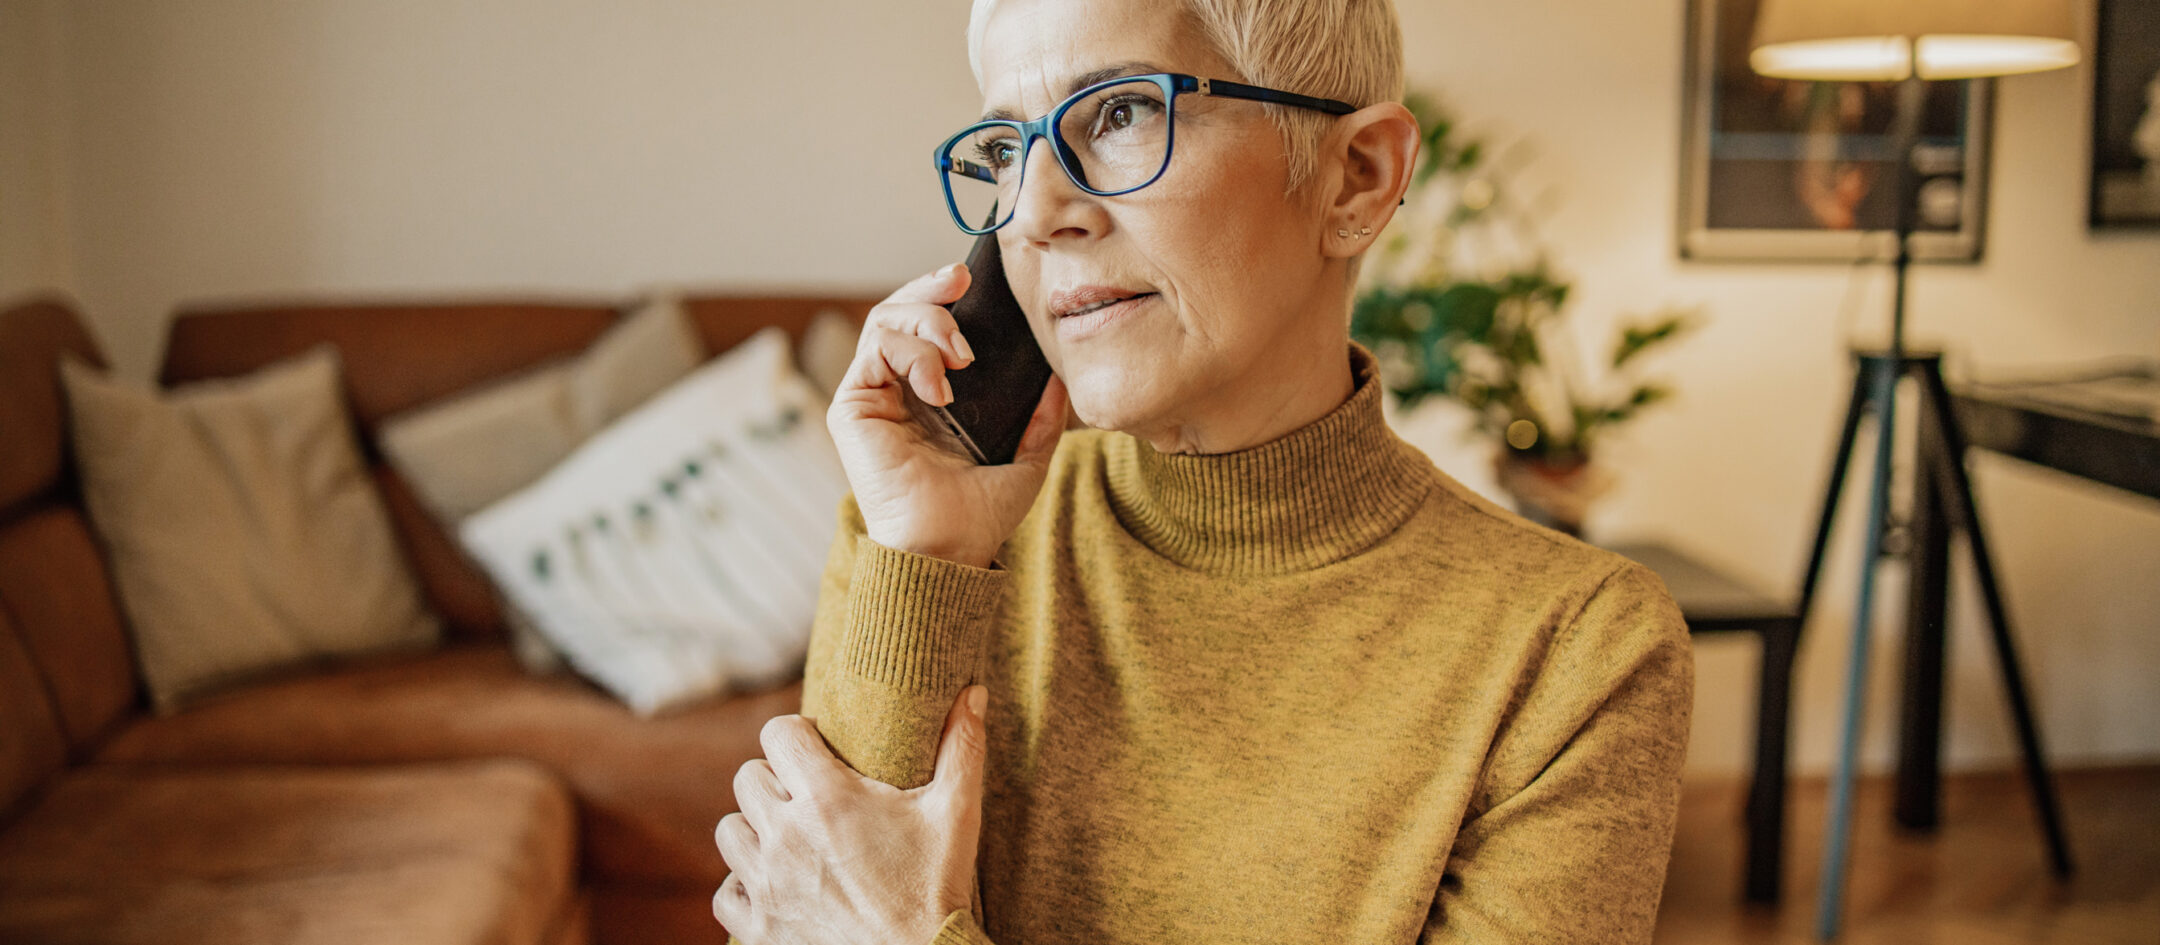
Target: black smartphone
point(995, 395)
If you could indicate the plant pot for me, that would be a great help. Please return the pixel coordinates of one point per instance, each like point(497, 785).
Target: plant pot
point(1554, 493)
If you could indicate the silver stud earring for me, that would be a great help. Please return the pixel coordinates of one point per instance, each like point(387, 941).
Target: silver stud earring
point(1339, 231)
point(1364, 231)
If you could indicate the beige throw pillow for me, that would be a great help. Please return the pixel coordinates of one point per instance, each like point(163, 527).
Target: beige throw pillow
point(464, 453)
point(243, 532)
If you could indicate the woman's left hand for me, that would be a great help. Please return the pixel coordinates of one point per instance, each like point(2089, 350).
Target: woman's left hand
point(821, 855)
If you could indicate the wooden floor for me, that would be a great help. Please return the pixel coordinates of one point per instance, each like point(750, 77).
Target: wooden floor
point(1980, 879)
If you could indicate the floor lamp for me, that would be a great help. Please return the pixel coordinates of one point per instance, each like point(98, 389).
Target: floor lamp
point(1910, 42)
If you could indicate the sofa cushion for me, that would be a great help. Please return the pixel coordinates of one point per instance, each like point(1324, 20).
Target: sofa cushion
point(243, 533)
point(649, 791)
point(32, 748)
point(456, 588)
point(54, 584)
point(477, 853)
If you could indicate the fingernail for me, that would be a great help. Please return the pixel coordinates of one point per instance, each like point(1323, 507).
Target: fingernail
point(960, 344)
point(949, 269)
point(978, 698)
point(947, 382)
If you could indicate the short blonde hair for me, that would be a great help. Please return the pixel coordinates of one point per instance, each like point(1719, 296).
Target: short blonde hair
point(1342, 49)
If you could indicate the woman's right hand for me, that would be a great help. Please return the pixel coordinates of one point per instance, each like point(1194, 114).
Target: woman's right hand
point(914, 495)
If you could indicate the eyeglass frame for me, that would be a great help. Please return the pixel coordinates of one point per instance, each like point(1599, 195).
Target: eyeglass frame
point(1172, 85)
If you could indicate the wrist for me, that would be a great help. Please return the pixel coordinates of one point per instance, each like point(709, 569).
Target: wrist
point(970, 558)
point(973, 558)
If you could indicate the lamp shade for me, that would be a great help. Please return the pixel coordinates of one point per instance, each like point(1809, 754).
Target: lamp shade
point(1870, 40)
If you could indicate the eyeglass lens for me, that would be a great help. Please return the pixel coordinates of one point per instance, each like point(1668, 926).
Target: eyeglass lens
point(1119, 136)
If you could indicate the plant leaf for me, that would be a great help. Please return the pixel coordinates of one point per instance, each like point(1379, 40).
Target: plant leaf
point(1469, 156)
point(1467, 309)
point(1649, 394)
point(1634, 339)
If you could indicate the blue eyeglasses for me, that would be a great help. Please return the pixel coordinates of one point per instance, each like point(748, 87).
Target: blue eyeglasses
point(1113, 137)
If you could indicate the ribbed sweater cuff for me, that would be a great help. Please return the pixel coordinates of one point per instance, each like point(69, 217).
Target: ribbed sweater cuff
point(960, 928)
point(916, 622)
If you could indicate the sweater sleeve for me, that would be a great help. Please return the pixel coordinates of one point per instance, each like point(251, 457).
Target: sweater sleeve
point(895, 638)
point(961, 928)
point(1568, 837)
point(897, 635)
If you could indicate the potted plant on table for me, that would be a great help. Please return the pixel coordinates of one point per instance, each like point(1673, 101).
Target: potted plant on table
point(1457, 300)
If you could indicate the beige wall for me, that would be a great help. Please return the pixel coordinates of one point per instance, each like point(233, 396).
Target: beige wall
point(236, 147)
point(228, 147)
point(35, 239)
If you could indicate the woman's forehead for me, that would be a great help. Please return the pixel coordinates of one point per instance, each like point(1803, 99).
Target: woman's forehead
point(1037, 52)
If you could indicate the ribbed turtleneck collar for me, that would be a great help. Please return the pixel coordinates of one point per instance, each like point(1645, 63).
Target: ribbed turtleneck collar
point(1314, 496)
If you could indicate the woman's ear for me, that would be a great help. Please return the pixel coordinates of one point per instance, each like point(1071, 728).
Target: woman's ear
point(1372, 150)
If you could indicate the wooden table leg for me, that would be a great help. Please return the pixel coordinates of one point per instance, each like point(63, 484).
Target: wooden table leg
point(1766, 793)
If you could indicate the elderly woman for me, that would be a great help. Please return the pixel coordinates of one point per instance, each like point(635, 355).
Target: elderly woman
point(1255, 669)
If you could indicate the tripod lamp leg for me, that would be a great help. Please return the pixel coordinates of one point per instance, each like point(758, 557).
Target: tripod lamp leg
point(1831, 902)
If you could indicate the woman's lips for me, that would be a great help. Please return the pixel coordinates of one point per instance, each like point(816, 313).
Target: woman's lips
point(1074, 327)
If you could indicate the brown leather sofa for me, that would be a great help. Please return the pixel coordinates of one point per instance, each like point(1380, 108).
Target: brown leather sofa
point(445, 798)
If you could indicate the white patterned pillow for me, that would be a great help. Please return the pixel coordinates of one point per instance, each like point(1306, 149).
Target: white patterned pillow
point(676, 554)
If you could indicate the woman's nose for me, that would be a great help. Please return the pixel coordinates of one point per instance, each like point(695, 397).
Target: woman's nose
point(1050, 206)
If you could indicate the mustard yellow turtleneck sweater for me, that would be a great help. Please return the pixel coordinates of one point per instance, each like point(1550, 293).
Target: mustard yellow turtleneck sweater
point(1314, 690)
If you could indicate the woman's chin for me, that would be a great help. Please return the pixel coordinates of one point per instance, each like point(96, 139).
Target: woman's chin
point(1106, 406)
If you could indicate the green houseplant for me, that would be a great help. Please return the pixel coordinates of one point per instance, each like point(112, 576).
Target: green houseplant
point(1458, 300)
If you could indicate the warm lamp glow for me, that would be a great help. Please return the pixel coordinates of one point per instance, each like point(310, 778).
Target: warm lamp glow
point(1970, 57)
point(1880, 40)
point(1886, 58)
point(1857, 59)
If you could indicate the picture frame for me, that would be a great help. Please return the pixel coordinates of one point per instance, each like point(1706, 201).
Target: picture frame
point(2125, 178)
point(1788, 170)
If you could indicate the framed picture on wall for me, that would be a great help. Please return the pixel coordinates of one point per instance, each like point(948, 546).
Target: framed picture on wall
point(2126, 115)
point(1778, 169)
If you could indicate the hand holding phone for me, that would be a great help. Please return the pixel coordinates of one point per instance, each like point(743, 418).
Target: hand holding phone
point(994, 397)
point(938, 487)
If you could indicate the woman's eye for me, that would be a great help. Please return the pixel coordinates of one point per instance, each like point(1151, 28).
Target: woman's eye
point(997, 155)
point(1125, 112)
